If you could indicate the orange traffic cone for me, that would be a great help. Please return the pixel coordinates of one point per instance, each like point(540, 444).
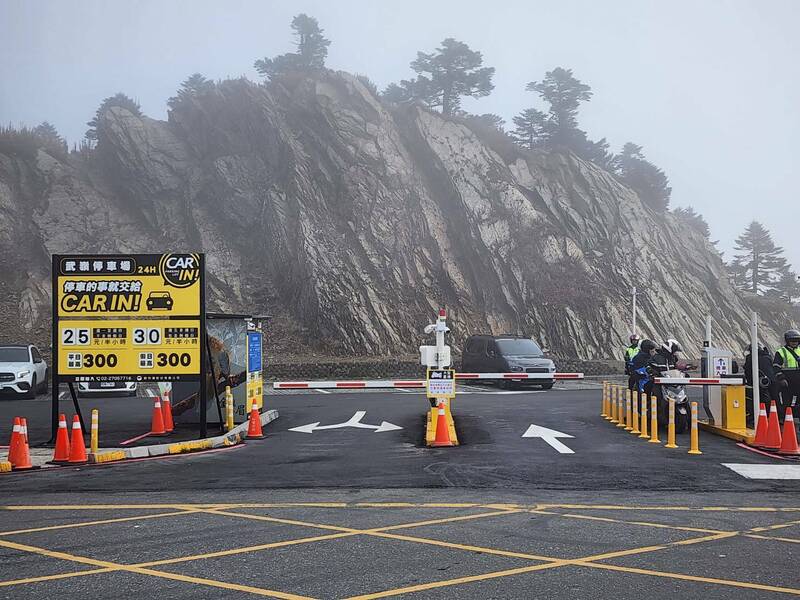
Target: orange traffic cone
point(13, 445)
point(77, 451)
point(157, 422)
point(773, 441)
point(61, 454)
point(761, 428)
point(254, 427)
point(789, 443)
point(166, 410)
point(23, 457)
point(442, 430)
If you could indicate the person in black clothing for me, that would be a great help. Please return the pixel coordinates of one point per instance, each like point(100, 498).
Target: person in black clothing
point(787, 370)
point(647, 351)
point(630, 352)
point(665, 359)
point(766, 378)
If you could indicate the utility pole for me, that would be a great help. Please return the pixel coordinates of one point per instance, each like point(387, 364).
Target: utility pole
point(633, 312)
point(754, 364)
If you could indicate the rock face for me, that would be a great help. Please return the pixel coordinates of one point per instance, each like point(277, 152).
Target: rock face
point(353, 222)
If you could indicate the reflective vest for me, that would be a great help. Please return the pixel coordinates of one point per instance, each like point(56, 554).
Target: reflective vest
point(789, 361)
point(630, 352)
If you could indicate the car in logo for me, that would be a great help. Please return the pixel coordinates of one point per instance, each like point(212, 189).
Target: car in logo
point(159, 301)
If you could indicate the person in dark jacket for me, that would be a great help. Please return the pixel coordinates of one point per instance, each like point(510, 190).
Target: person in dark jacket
point(640, 363)
point(766, 378)
point(630, 352)
point(787, 370)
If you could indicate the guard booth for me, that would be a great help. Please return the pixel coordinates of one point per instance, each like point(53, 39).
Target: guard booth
point(716, 362)
point(234, 347)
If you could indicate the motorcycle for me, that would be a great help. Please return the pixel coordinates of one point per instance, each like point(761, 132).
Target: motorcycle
point(677, 393)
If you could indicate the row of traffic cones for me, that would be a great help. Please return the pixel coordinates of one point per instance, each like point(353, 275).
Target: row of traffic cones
point(161, 423)
point(19, 453)
point(68, 451)
point(768, 431)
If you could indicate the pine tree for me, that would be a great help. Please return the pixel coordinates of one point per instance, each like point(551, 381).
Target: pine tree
point(312, 50)
point(693, 219)
point(489, 120)
point(50, 138)
point(444, 77)
point(761, 260)
point(117, 100)
point(195, 85)
point(564, 93)
point(648, 181)
point(787, 287)
point(529, 130)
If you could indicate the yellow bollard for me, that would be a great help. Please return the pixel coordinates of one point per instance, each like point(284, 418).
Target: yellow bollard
point(643, 401)
point(620, 407)
point(604, 403)
point(613, 401)
point(628, 411)
point(695, 442)
point(228, 408)
point(94, 442)
point(635, 401)
point(671, 426)
point(654, 420)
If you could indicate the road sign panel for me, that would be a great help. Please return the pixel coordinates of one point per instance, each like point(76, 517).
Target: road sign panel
point(441, 383)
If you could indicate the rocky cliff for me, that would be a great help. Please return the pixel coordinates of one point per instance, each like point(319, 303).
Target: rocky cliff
point(353, 222)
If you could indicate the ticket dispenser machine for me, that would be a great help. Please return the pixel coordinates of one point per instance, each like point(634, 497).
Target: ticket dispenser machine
point(716, 362)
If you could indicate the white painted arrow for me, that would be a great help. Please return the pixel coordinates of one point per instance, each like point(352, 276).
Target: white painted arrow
point(354, 421)
point(549, 436)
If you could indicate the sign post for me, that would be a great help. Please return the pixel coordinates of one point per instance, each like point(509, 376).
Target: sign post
point(137, 317)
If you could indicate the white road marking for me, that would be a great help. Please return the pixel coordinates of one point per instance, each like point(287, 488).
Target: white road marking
point(354, 421)
point(61, 395)
point(324, 391)
point(765, 471)
point(549, 436)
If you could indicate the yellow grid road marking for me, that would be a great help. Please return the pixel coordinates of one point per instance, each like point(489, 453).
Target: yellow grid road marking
point(498, 509)
point(103, 522)
point(684, 577)
point(769, 537)
point(774, 527)
point(52, 577)
point(143, 571)
point(619, 521)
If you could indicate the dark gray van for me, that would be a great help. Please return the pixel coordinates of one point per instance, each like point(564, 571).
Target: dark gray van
point(506, 354)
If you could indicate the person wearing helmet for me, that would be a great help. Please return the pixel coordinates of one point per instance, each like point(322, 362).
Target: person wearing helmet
point(630, 352)
point(667, 356)
point(787, 370)
point(640, 364)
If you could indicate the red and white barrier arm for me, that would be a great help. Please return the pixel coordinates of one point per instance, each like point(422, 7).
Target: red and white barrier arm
point(557, 376)
point(698, 381)
point(413, 383)
point(374, 383)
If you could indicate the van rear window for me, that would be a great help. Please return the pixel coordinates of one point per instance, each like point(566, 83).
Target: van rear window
point(519, 347)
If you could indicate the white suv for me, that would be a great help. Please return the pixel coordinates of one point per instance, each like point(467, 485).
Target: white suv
point(22, 370)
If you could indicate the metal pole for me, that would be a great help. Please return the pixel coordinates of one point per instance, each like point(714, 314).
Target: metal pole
point(54, 380)
point(708, 329)
point(633, 320)
point(754, 367)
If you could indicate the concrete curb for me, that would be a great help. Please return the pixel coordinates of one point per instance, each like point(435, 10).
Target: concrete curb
point(231, 438)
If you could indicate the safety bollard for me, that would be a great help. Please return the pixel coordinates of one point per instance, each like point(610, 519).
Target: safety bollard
point(635, 401)
point(654, 420)
point(620, 407)
point(613, 401)
point(94, 440)
point(694, 448)
point(671, 426)
point(643, 402)
point(604, 402)
point(628, 411)
point(228, 408)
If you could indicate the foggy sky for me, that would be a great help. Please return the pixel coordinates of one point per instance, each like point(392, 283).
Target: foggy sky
point(710, 89)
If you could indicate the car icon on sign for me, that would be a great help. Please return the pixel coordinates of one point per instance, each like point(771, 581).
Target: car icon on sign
point(159, 301)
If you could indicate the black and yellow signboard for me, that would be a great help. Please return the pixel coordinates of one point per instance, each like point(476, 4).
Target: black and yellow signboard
point(134, 317)
point(138, 285)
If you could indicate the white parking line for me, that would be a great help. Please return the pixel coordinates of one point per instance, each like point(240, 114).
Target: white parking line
point(765, 471)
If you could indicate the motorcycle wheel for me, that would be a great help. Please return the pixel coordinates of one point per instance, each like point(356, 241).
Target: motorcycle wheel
point(681, 422)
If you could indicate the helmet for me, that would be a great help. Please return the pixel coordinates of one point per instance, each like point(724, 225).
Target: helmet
point(672, 346)
point(635, 338)
point(791, 336)
point(647, 345)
